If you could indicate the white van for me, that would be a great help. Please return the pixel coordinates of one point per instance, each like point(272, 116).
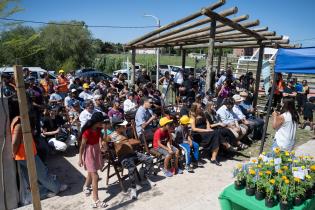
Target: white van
point(35, 72)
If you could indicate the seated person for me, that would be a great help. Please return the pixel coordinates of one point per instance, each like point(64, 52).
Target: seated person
point(184, 139)
point(238, 114)
point(162, 142)
point(127, 156)
point(116, 111)
point(130, 105)
point(55, 98)
point(144, 121)
point(54, 130)
point(86, 94)
point(229, 118)
point(87, 113)
point(256, 124)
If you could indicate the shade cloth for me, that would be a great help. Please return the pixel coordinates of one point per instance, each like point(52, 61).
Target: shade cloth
point(297, 61)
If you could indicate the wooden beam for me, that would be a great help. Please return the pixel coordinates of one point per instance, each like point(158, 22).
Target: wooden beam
point(258, 73)
point(224, 13)
point(27, 136)
point(133, 64)
point(209, 67)
point(176, 23)
point(230, 23)
point(204, 34)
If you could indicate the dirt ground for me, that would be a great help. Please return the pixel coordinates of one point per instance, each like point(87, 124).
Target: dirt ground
point(199, 190)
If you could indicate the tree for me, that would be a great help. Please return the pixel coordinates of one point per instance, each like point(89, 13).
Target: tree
point(68, 45)
point(19, 46)
point(8, 8)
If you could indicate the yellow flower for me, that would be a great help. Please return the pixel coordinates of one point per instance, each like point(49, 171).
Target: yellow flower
point(271, 164)
point(254, 160)
point(272, 161)
point(294, 169)
point(259, 158)
point(252, 172)
point(264, 153)
point(272, 181)
point(260, 173)
point(297, 180)
point(296, 161)
point(266, 164)
point(303, 167)
point(280, 171)
point(289, 160)
point(301, 157)
point(293, 152)
point(311, 157)
point(259, 166)
point(284, 178)
point(268, 172)
point(277, 150)
point(285, 168)
point(308, 176)
point(312, 167)
point(287, 153)
point(286, 181)
point(239, 166)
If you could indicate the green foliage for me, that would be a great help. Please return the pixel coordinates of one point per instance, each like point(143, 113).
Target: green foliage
point(8, 8)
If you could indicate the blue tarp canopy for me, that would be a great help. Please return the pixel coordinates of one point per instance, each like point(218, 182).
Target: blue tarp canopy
point(297, 61)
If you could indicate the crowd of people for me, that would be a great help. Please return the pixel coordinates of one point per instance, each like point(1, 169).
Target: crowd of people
point(94, 115)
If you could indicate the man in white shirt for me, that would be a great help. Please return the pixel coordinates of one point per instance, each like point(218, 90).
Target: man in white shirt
point(55, 98)
point(86, 94)
point(130, 105)
point(87, 113)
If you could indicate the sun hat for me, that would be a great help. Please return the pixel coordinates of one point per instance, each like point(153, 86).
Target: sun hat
point(237, 98)
point(86, 86)
point(61, 71)
point(184, 120)
point(164, 120)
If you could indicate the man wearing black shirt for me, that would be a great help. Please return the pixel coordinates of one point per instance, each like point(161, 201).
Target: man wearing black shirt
point(289, 91)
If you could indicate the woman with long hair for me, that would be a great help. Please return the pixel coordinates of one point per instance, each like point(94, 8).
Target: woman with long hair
point(203, 134)
point(285, 124)
point(90, 155)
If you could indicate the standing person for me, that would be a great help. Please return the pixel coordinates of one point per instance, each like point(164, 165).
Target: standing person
point(48, 185)
point(143, 78)
point(165, 82)
point(302, 93)
point(285, 124)
point(278, 91)
point(178, 81)
point(63, 83)
point(289, 91)
point(184, 139)
point(90, 156)
point(47, 85)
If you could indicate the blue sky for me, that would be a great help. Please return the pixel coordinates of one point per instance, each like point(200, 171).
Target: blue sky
point(288, 17)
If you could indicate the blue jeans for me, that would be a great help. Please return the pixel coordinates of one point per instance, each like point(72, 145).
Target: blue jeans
point(186, 148)
point(46, 182)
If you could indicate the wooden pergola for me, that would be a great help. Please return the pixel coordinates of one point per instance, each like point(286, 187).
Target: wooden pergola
point(210, 29)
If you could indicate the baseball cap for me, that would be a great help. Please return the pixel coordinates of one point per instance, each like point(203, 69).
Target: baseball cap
point(237, 98)
point(164, 120)
point(61, 71)
point(73, 90)
point(118, 121)
point(86, 86)
point(184, 120)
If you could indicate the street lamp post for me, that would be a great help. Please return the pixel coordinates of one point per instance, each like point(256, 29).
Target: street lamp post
point(157, 51)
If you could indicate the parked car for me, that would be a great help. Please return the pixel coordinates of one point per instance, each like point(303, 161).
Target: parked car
point(188, 70)
point(164, 68)
point(97, 75)
point(34, 71)
point(126, 71)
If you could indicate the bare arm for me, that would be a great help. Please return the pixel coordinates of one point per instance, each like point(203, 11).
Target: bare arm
point(277, 121)
point(17, 138)
point(83, 143)
point(194, 128)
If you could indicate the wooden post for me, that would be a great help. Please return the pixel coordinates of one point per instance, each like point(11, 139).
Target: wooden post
point(273, 88)
point(219, 61)
point(225, 63)
point(258, 73)
point(210, 55)
point(133, 64)
point(27, 136)
point(183, 59)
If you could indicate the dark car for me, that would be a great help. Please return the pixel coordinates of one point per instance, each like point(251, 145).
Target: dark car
point(97, 75)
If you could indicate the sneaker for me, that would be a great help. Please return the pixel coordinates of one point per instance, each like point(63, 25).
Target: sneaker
point(133, 193)
point(180, 171)
point(87, 191)
point(63, 188)
point(51, 194)
point(197, 165)
point(189, 169)
point(168, 173)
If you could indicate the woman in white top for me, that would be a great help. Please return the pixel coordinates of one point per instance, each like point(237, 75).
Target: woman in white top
point(285, 124)
point(164, 81)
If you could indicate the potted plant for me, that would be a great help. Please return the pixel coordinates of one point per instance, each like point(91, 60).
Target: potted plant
point(240, 175)
point(308, 185)
point(250, 182)
point(270, 196)
point(284, 195)
point(297, 192)
point(260, 187)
